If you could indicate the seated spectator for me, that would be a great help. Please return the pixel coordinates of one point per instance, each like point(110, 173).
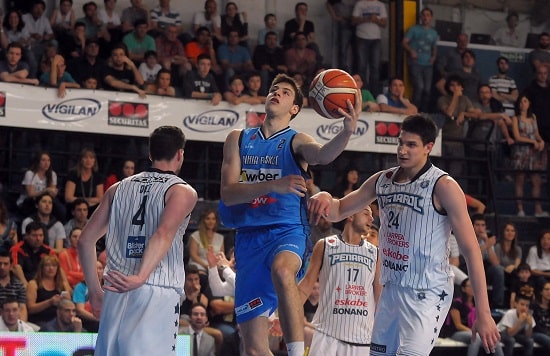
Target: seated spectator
point(234, 59)
point(523, 279)
point(538, 258)
point(462, 316)
point(232, 19)
point(15, 31)
point(200, 83)
point(39, 28)
point(303, 85)
point(162, 86)
point(122, 73)
point(39, 179)
point(27, 253)
point(163, 16)
point(90, 83)
point(210, 19)
point(127, 169)
point(202, 44)
point(79, 212)
point(347, 182)
point(491, 109)
point(11, 286)
point(235, 92)
point(45, 62)
point(46, 290)
point(150, 67)
point(508, 252)
point(198, 321)
point(58, 78)
point(503, 87)
point(541, 315)
point(89, 65)
point(11, 317)
point(62, 19)
point(202, 239)
point(13, 69)
point(73, 45)
point(474, 205)
point(84, 181)
point(55, 231)
point(394, 102)
point(517, 325)
point(509, 35)
point(299, 58)
point(110, 17)
point(8, 228)
point(270, 21)
point(171, 53)
point(82, 302)
point(136, 11)
point(269, 59)
point(138, 41)
point(253, 88)
point(310, 307)
point(219, 265)
point(540, 56)
point(469, 76)
point(369, 103)
point(66, 320)
point(69, 261)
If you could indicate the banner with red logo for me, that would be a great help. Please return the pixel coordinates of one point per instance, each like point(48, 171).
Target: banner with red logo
point(120, 113)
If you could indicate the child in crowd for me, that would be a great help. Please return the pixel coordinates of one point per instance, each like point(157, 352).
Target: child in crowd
point(523, 279)
point(150, 67)
point(517, 324)
point(253, 85)
point(161, 86)
point(234, 95)
point(90, 83)
point(270, 22)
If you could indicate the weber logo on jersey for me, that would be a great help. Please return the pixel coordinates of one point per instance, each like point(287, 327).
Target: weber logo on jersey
point(135, 246)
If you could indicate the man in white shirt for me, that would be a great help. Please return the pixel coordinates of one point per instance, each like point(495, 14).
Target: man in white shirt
point(10, 320)
point(39, 28)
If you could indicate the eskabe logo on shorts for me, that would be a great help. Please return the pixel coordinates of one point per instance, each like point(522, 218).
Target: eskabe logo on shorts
point(387, 133)
point(123, 113)
point(249, 306)
point(2, 103)
point(72, 110)
point(328, 131)
point(211, 121)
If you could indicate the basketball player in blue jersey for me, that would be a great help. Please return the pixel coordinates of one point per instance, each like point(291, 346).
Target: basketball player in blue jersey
point(144, 218)
point(347, 268)
point(419, 205)
point(263, 195)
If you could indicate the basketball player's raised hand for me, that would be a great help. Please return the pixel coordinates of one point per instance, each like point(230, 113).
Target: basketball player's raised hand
point(350, 119)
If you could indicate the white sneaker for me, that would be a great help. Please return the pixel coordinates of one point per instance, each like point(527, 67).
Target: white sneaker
point(521, 213)
point(543, 214)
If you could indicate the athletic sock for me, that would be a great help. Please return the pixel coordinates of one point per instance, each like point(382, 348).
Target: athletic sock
point(295, 348)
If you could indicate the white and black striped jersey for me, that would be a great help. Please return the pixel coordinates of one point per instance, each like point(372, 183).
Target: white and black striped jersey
point(414, 236)
point(346, 307)
point(137, 207)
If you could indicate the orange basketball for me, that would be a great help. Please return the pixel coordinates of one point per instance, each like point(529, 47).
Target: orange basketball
point(329, 91)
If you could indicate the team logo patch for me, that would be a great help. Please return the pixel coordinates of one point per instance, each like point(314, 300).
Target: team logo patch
point(389, 174)
point(248, 307)
point(135, 246)
point(424, 184)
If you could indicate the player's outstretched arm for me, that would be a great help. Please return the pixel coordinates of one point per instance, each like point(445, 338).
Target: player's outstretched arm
point(233, 192)
point(449, 196)
point(315, 153)
point(312, 274)
point(180, 201)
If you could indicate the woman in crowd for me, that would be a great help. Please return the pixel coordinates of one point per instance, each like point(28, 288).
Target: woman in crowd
point(232, 19)
point(84, 181)
point(15, 31)
point(508, 251)
point(128, 169)
point(69, 261)
point(539, 259)
point(46, 290)
point(162, 86)
point(541, 315)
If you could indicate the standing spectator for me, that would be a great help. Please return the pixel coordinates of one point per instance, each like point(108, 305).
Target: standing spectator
point(122, 73)
point(450, 61)
point(370, 17)
point(66, 320)
point(541, 55)
point(538, 258)
point(299, 58)
point(55, 231)
point(138, 42)
point(538, 93)
point(164, 15)
point(38, 26)
point(11, 319)
point(270, 22)
point(136, 11)
point(202, 344)
point(46, 290)
point(28, 252)
point(210, 19)
point(503, 87)
point(13, 69)
point(200, 83)
point(509, 35)
point(232, 19)
point(340, 11)
point(128, 168)
point(11, 286)
point(420, 42)
point(234, 59)
point(269, 59)
point(62, 19)
point(541, 315)
point(203, 238)
point(69, 261)
point(517, 325)
point(528, 155)
point(84, 181)
point(79, 214)
point(394, 102)
point(493, 270)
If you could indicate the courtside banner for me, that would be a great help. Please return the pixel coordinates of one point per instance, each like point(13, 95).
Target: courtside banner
point(120, 113)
